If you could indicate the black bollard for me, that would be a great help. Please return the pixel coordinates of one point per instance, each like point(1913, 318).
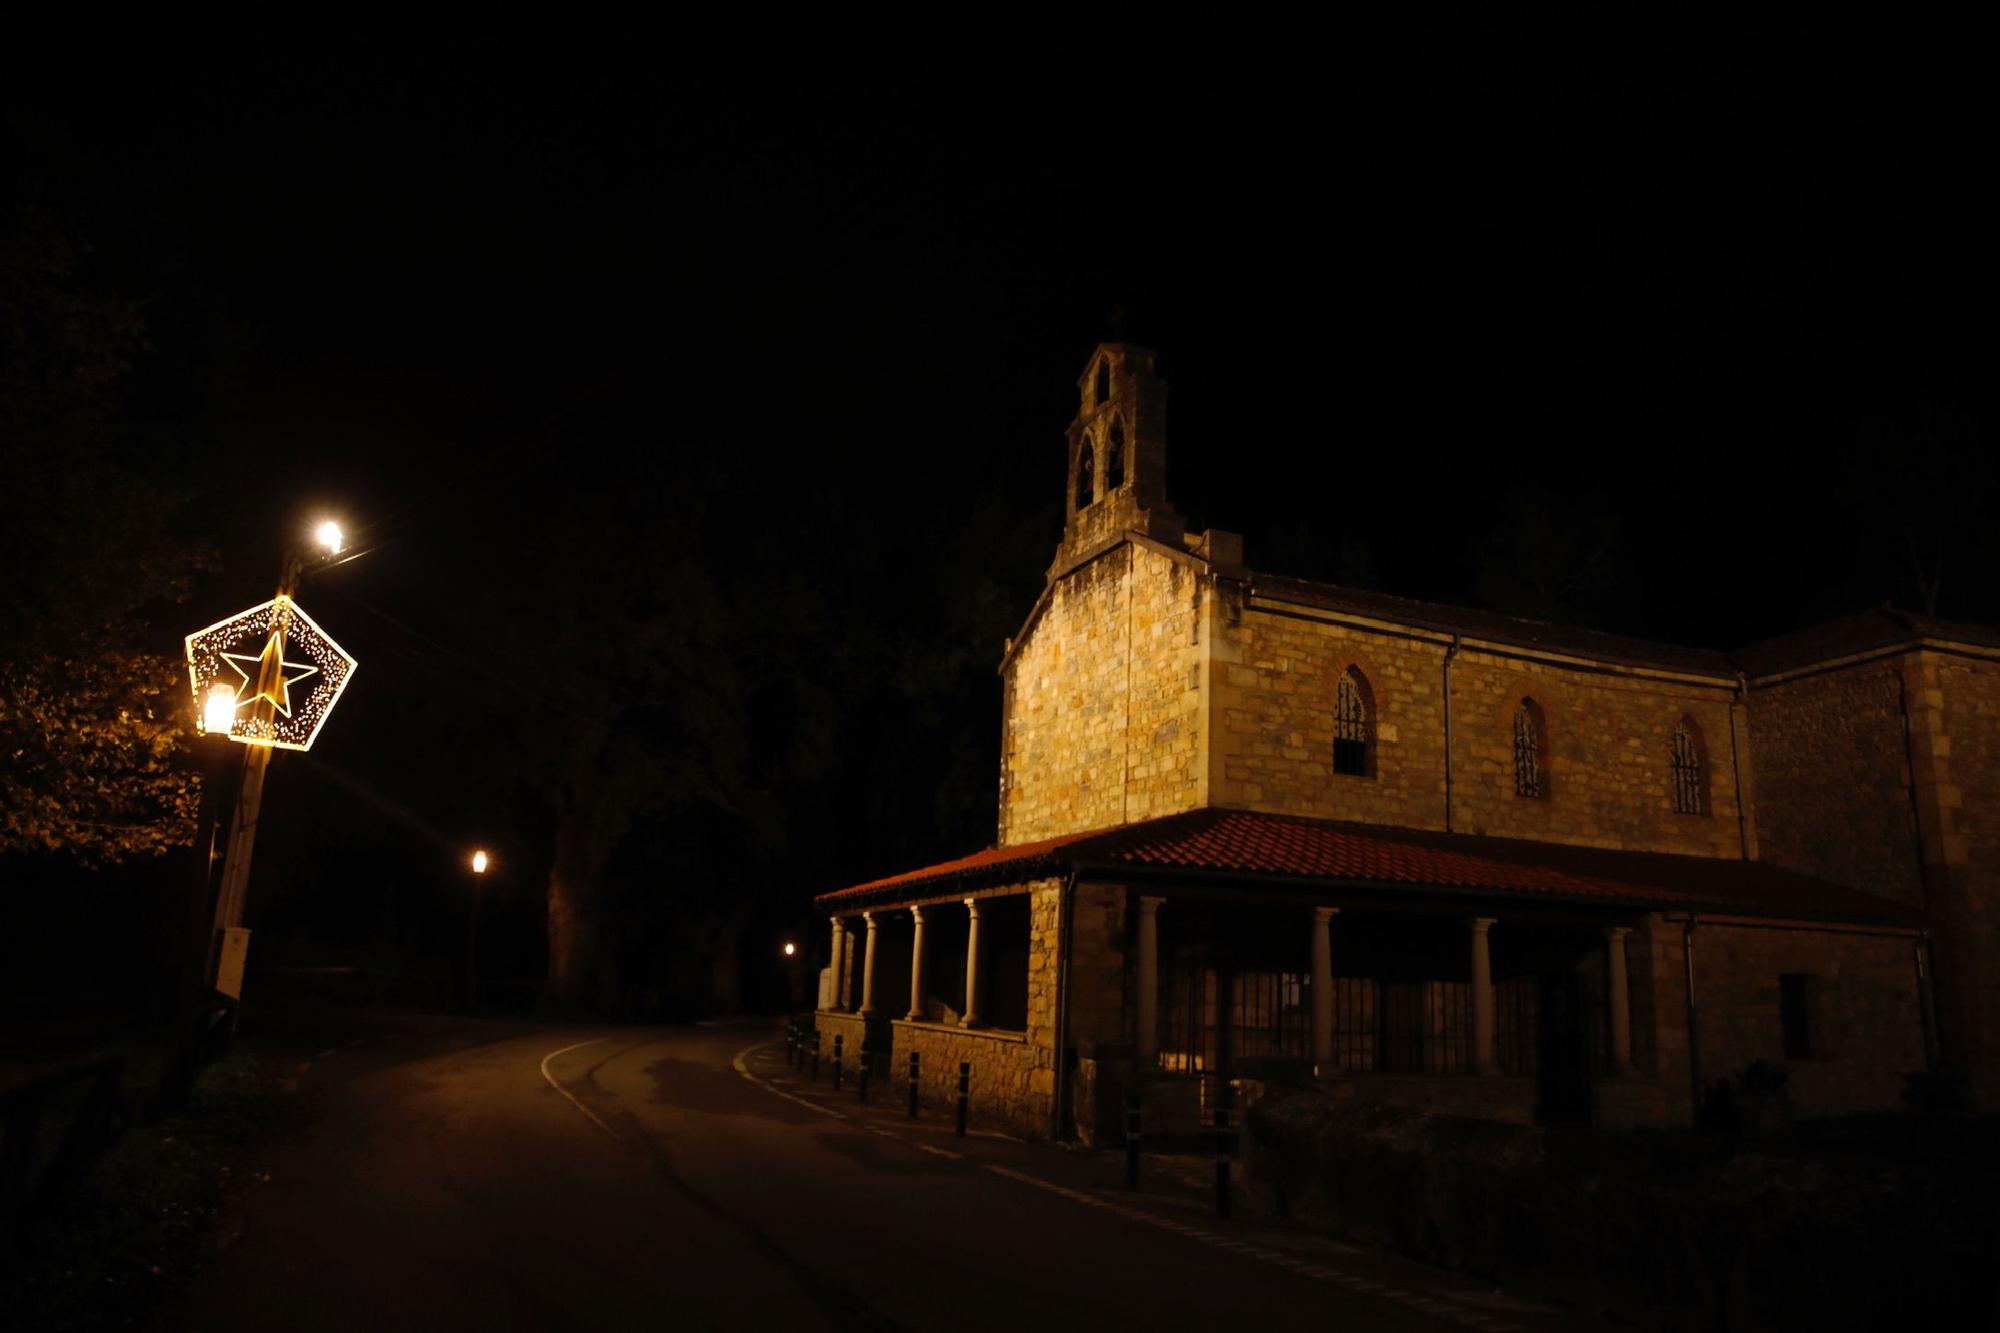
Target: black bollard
point(815, 1070)
point(1132, 1136)
point(913, 1086)
point(867, 1063)
point(964, 1093)
point(837, 1040)
point(1222, 1161)
point(791, 1039)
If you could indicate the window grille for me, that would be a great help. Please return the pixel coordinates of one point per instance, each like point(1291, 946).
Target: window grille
point(1528, 750)
point(1350, 727)
point(1114, 459)
point(1086, 476)
point(1687, 771)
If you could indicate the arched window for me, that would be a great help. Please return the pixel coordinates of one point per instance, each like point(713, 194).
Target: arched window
point(1690, 778)
point(1530, 739)
point(1353, 727)
point(1086, 475)
point(1114, 458)
point(1103, 393)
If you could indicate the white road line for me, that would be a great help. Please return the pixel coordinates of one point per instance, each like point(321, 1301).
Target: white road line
point(738, 1065)
point(565, 1091)
point(1439, 1307)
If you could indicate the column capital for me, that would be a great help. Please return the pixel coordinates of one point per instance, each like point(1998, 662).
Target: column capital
point(972, 906)
point(1149, 903)
point(1616, 933)
point(917, 915)
point(1325, 913)
point(869, 917)
point(1481, 924)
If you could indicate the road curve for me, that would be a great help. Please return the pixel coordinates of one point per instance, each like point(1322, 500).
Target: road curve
point(675, 1178)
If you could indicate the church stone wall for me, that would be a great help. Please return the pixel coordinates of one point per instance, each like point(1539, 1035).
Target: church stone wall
point(1832, 779)
point(1867, 1027)
point(1103, 700)
point(1607, 759)
point(1963, 788)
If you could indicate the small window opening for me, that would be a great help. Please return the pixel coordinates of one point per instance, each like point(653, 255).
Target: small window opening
point(1798, 996)
point(1528, 744)
point(1114, 458)
point(1103, 391)
point(1687, 771)
point(1086, 476)
point(1350, 727)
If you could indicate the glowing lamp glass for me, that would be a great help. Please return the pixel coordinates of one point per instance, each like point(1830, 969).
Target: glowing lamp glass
point(218, 712)
point(790, 949)
point(479, 863)
point(330, 536)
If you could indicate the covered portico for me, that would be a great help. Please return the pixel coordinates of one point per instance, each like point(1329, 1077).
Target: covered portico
point(1204, 955)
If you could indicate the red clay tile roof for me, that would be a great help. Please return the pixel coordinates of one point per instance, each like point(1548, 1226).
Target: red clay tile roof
point(1275, 848)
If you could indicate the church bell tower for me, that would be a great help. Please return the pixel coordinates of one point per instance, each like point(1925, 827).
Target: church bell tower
point(1117, 456)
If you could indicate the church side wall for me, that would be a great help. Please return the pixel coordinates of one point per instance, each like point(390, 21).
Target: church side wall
point(1608, 757)
point(1103, 700)
point(1832, 779)
point(1966, 787)
point(1607, 761)
point(1867, 1028)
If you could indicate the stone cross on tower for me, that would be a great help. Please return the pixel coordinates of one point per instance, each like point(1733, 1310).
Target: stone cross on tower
point(1117, 456)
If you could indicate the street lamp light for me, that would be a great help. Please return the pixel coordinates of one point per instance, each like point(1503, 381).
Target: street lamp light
point(218, 713)
point(478, 862)
point(329, 536)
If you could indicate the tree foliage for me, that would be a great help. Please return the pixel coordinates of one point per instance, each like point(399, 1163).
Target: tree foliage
point(92, 711)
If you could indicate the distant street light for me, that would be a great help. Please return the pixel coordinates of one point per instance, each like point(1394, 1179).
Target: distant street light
point(328, 534)
point(790, 948)
point(479, 863)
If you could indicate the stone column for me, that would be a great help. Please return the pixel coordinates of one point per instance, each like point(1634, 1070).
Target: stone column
point(1482, 998)
point(1149, 984)
point(973, 957)
point(916, 965)
point(1618, 991)
point(867, 1006)
point(1322, 989)
point(836, 963)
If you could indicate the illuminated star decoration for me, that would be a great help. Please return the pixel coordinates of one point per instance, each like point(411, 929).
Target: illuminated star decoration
point(279, 635)
point(283, 674)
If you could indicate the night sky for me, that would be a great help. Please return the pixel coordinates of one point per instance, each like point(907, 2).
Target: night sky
point(1705, 314)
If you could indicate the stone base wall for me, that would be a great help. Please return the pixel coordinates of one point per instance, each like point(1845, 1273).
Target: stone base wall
point(1012, 1081)
point(852, 1029)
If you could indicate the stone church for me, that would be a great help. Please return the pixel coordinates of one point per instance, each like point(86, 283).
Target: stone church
point(1253, 828)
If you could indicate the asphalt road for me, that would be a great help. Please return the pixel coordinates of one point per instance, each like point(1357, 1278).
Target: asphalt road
point(684, 1178)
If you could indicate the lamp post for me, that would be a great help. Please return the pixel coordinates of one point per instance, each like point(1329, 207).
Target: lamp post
point(230, 942)
point(218, 713)
point(479, 863)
